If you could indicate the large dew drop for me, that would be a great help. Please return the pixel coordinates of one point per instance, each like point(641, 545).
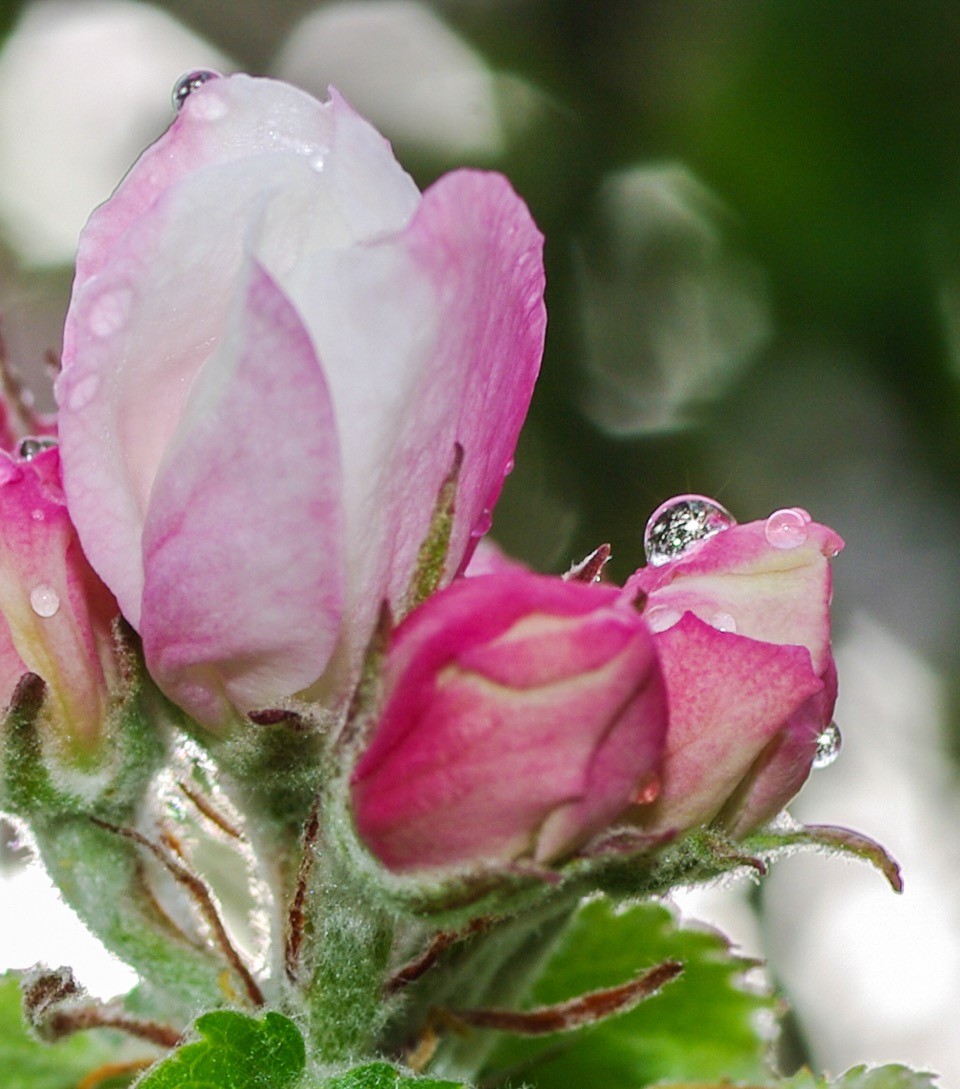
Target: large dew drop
point(828, 746)
point(186, 85)
point(680, 524)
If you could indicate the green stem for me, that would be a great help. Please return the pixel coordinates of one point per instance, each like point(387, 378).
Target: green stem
point(99, 875)
point(350, 948)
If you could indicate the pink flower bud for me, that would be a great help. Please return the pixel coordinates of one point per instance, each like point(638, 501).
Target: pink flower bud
point(55, 614)
point(742, 623)
point(521, 716)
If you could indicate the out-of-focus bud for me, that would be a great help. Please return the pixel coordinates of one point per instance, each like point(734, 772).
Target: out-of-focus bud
point(521, 715)
point(55, 614)
point(741, 616)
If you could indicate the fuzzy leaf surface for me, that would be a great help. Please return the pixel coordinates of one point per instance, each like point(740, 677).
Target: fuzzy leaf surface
point(235, 1052)
point(29, 1064)
point(384, 1076)
point(703, 1026)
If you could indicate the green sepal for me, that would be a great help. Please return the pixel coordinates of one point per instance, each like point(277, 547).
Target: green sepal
point(234, 1052)
point(383, 1076)
point(432, 557)
point(784, 837)
point(41, 780)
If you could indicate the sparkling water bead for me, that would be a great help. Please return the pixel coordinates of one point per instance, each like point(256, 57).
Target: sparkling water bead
point(186, 85)
point(680, 524)
point(30, 447)
point(828, 746)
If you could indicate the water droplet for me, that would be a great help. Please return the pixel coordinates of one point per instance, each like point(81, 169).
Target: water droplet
point(318, 162)
point(723, 622)
point(37, 514)
point(662, 617)
point(508, 468)
point(186, 85)
point(829, 744)
point(83, 392)
point(483, 523)
point(680, 524)
point(30, 447)
point(110, 311)
point(786, 528)
point(648, 792)
point(44, 600)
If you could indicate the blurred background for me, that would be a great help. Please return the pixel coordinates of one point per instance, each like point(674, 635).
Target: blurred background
point(752, 213)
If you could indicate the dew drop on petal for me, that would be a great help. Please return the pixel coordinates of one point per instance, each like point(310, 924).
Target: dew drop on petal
point(318, 162)
point(662, 617)
point(483, 523)
point(723, 622)
point(33, 445)
point(110, 311)
point(828, 746)
point(508, 468)
point(786, 528)
point(680, 524)
point(44, 600)
point(186, 85)
point(83, 392)
point(37, 514)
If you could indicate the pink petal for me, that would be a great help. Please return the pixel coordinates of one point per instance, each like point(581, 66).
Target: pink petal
point(158, 269)
point(430, 338)
point(773, 595)
point(243, 539)
point(729, 696)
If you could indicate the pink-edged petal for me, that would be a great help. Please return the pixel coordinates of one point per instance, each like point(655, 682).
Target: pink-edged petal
point(158, 268)
point(233, 120)
point(770, 594)
point(729, 697)
point(243, 541)
point(783, 767)
point(56, 614)
point(430, 338)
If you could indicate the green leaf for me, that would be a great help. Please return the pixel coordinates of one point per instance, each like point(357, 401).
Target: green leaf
point(29, 1064)
point(703, 1026)
point(236, 1052)
point(384, 1076)
point(863, 1077)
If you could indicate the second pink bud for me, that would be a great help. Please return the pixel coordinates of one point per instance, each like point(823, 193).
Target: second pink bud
point(521, 716)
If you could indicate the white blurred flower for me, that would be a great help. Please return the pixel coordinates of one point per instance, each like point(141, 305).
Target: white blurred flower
point(406, 71)
point(669, 314)
point(84, 86)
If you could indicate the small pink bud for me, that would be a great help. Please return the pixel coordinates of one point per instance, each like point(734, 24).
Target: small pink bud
point(742, 622)
point(55, 614)
point(522, 715)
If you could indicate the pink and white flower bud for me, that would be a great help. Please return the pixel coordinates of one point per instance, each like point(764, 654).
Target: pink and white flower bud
point(274, 348)
point(55, 614)
point(742, 623)
point(521, 716)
